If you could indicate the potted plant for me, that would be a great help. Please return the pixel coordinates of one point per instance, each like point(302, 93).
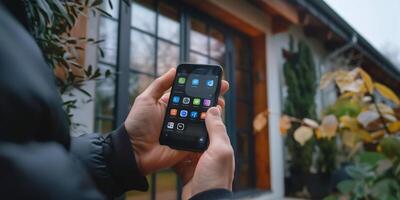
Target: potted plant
point(356, 122)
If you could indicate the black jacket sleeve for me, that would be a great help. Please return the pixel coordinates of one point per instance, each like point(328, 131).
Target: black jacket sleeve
point(110, 161)
point(213, 194)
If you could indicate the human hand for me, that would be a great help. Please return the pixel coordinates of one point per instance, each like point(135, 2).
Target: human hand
point(213, 169)
point(144, 124)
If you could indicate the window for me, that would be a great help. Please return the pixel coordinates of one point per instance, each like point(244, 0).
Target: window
point(161, 35)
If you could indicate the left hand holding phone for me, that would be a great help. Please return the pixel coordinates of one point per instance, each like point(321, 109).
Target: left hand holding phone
point(144, 124)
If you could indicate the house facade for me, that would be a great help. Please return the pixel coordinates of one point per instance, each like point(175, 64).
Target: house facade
point(145, 38)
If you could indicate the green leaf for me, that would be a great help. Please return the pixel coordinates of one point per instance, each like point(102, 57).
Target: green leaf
point(101, 52)
point(107, 73)
point(346, 186)
point(103, 12)
point(96, 3)
point(371, 158)
point(359, 171)
point(84, 91)
point(385, 188)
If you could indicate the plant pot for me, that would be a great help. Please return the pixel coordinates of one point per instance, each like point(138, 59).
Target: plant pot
point(295, 182)
point(319, 185)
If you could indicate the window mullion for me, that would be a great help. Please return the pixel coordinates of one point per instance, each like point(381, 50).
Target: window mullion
point(123, 51)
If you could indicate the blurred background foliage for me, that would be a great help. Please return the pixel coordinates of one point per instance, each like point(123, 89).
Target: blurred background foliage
point(50, 23)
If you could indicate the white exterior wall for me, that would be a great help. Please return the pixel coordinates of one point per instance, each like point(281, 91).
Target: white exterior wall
point(84, 114)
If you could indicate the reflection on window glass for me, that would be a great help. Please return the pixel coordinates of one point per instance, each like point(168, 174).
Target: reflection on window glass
point(198, 36)
point(168, 23)
point(108, 33)
point(166, 182)
point(197, 58)
point(142, 52)
point(115, 7)
point(168, 57)
point(217, 44)
point(143, 15)
point(105, 92)
point(103, 125)
point(137, 84)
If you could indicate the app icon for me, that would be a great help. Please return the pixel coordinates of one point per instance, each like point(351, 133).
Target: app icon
point(181, 80)
point(196, 101)
point(183, 113)
point(180, 126)
point(210, 83)
point(195, 82)
point(206, 102)
point(203, 115)
point(194, 114)
point(173, 112)
point(186, 100)
point(175, 99)
point(170, 125)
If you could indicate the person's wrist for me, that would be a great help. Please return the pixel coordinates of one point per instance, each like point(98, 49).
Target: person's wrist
point(136, 150)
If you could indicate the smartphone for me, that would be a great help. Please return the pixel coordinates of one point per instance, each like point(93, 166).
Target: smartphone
point(195, 89)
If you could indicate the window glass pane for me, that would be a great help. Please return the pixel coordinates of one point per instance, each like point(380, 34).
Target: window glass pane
point(242, 113)
point(137, 84)
point(166, 182)
point(105, 92)
point(242, 84)
point(198, 36)
point(168, 57)
point(142, 52)
point(103, 125)
point(241, 54)
point(217, 44)
point(108, 32)
point(168, 23)
point(143, 15)
point(197, 58)
point(112, 11)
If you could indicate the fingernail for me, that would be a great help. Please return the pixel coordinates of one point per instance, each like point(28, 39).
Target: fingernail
point(219, 108)
point(214, 111)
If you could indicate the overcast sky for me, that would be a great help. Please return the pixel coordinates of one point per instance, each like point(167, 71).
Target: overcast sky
point(377, 20)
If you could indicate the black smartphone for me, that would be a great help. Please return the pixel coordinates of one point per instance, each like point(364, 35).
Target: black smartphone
point(195, 89)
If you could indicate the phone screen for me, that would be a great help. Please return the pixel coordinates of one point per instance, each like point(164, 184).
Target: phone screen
point(195, 89)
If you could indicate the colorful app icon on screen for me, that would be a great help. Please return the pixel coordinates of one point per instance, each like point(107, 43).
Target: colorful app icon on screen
point(195, 82)
point(206, 102)
point(173, 112)
point(175, 99)
point(183, 113)
point(203, 115)
point(210, 83)
point(170, 125)
point(196, 101)
point(181, 80)
point(194, 114)
point(180, 126)
point(186, 100)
